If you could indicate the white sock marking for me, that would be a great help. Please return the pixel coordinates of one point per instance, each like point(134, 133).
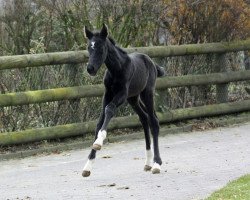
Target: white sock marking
point(156, 166)
point(88, 166)
point(149, 157)
point(100, 137)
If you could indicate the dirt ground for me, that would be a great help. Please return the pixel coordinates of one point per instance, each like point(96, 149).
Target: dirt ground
point(194, 165)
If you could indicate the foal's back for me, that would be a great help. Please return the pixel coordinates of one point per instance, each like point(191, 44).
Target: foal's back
point(144, 74)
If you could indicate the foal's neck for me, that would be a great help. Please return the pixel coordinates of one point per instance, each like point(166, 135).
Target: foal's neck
point(116, 58)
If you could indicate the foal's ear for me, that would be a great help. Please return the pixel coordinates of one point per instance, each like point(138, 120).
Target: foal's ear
point(104, 31)
point(88, 34)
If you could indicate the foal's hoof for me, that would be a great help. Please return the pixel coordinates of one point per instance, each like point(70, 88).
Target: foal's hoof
point(97, 147)
point(147, 168)
point(156, 169)
point(85, 173)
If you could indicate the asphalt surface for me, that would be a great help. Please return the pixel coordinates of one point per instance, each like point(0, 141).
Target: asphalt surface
point(194, 165)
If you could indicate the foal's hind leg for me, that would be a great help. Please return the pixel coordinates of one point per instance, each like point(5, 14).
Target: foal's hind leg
point(147, 98)
point(138, 107)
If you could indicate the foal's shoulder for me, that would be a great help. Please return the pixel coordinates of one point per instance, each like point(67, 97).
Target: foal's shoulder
point(107, 79)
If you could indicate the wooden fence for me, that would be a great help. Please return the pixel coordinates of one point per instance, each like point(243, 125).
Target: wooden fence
point(221, 79)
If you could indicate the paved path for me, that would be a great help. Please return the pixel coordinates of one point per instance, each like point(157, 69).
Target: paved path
point(194, 165)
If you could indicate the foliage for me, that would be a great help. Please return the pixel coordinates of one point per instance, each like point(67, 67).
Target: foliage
point(132, 23)
point(192, 21)
point(235, 190)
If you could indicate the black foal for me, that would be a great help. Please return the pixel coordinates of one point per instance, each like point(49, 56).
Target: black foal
point(128, 77)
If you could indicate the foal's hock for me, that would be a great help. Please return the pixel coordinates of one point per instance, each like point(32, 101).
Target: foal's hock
point(128, 77)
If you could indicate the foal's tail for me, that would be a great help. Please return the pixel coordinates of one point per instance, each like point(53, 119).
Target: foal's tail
point(160, 71)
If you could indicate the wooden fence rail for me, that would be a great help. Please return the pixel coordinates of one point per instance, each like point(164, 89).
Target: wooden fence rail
point(76, 129)
point(69, 57)
point(41, 96)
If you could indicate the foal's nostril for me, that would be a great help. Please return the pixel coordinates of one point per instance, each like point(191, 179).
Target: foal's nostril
point(90, 69)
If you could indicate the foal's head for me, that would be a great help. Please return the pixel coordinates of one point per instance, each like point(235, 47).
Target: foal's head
point(97, 48)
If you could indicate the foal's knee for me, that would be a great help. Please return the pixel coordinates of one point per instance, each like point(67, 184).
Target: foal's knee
point(110, 109)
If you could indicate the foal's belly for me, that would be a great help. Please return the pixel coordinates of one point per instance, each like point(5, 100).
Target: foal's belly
point(138, 81)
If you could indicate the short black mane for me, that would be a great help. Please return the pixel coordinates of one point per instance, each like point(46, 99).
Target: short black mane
point(113, 42)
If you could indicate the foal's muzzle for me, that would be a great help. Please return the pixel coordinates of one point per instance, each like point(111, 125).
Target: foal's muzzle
point(91, 70)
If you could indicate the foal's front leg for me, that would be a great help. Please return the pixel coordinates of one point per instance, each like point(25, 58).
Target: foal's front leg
point(91, 158)
point(102, 133)
point(109, 108)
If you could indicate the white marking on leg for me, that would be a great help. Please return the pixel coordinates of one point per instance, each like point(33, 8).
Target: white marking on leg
point(156, 169)
point(100, 137)
point(89, 165)
point(149, 158)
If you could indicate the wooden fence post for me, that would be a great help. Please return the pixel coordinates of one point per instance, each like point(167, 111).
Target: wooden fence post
point(221, 89)
point(247, 60)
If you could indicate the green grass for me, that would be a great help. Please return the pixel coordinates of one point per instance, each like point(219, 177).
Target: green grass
point(236, 190)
